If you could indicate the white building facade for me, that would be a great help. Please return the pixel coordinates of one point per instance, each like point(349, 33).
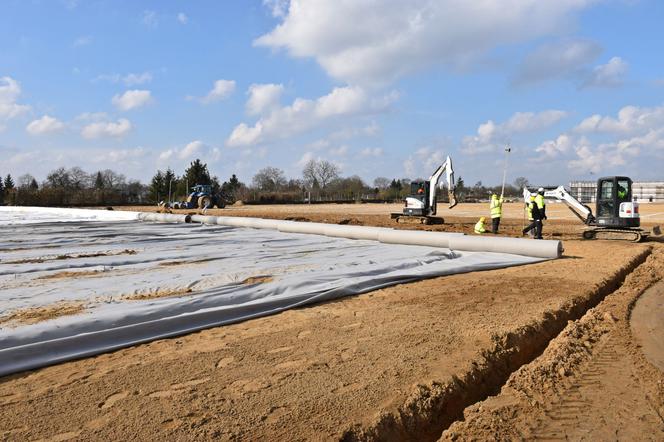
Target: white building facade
point(643, 191)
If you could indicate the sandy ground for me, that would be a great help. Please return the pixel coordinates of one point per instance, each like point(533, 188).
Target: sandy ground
point(398, 363)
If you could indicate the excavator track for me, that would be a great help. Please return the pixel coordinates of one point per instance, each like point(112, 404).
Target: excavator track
point(414, 219)
point(633, 235)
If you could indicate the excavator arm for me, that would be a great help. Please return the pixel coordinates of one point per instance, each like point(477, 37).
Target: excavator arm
point(433, 184)
point(582, 211)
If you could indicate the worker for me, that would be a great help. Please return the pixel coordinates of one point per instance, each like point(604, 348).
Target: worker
point(480, 227)
point(420, 191)
point(539, 212)
point(496, 206)
point(622, 192)
point(529, 211)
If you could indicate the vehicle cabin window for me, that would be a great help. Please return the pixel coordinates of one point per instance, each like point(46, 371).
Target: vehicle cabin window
point(605, 205)
point(623, 190)
point(417, 190)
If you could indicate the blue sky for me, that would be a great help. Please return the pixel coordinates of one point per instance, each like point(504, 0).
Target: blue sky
point(380, 87)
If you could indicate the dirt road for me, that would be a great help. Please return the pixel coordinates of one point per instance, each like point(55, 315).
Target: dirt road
point(398, 363)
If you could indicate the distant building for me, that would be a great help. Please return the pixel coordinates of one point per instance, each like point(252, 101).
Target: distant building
point(643, 191)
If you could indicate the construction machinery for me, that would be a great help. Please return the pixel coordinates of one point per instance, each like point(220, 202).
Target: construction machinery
point(616, 213)
point(420, 205)
point(201, 197)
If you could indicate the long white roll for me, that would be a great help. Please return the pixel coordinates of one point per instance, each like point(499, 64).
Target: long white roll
point(353, 232)
point(518, 246)
point(164, 217)
point(456, 241)
point(417, 237)
point(300, 227)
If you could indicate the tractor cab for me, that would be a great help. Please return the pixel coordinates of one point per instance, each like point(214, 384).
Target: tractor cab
point(615, 207)
point(202, 189)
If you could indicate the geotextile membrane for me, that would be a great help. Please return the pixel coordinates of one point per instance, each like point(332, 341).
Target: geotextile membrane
point(141, 281)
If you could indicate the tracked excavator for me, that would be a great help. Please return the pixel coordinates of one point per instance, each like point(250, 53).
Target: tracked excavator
point(616, 213)
point(420, 206)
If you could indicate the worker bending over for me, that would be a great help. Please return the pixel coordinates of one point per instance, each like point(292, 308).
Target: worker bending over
point(496, 207)
point(480, 227)
point(538, 209)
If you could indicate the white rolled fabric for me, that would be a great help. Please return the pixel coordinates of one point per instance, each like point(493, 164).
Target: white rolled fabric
point(164, 217)
point(299, 227)
point(204, 219)
point(260, 223)
point(456, 241)
point(518, 246)
point(417, 238)
point(353, 232)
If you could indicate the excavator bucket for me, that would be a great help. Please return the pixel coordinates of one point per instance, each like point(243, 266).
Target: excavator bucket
point(452, 197)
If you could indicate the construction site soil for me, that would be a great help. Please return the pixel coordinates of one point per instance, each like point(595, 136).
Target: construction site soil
point(544, 350)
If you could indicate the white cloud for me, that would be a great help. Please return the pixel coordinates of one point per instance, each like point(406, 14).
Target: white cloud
point(372, 152)
point(368, 42)
point(631, 119)
point(150, 19)
point(591, 159)
point(306, 114)
point(10, 90)
point(279, 8)
point(553, 148)
point(491, 135)
point(82, 41)
point(555, 60)
point(424, 161)
point(263, 98)
point(221, 90)
point(122, 156)
point(131, 79)
point(132, 99)
point(182, 18)
point(346, 133)
point(610, 74)
point(107, 129)
point(194, 149)
point(340, 151)
point(306, 157)
point(44, 125)
point(92, 116)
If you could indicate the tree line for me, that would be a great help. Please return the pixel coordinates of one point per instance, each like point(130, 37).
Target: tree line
point(321, 181)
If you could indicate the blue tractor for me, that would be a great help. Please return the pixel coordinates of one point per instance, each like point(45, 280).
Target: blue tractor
point(201, 197)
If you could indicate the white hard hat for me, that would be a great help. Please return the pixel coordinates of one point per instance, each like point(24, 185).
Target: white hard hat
point(541, 189)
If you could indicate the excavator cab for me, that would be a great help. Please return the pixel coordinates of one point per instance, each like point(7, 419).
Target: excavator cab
point(615, 208)
point(419, 191)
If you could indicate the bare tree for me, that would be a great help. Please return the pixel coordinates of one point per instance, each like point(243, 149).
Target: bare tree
point(521, 182)
point(25, 181)
point(381, 183)
point(320, 173)
point(269, 179)
point(59, 178)
point(112, 179)
point(78, 178)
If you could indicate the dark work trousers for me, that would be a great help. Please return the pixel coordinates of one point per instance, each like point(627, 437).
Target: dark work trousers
point(538, 229)
point(495, 222)
point(537, 225)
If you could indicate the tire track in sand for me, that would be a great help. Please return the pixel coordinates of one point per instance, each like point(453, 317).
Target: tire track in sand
point(603, 402)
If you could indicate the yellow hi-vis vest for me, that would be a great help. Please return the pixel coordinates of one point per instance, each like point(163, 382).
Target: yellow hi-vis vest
point(479, 227)
point(539, 200)
point(496, 207)
point(529, 208)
